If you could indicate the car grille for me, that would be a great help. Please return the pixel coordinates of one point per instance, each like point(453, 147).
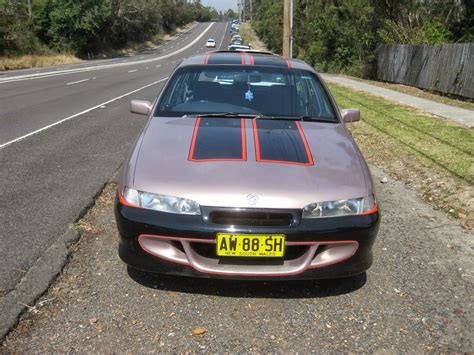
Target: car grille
point(251, 219)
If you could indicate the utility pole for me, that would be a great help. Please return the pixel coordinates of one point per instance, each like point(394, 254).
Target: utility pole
point(30, 11)
point(251, 11)
point(239, 10)
point(291, 29)
point(287, 28)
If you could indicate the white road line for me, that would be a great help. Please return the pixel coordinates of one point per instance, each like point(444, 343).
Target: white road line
point(105, 66)
point(77, 82)
point(81, 113)
point(222, 41)
point(157, 66)
point(132, 71)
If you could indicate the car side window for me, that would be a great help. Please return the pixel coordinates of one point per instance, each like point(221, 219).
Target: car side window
point(310, 97)
point(302, 97)
point(180, 92)
point(320, 100)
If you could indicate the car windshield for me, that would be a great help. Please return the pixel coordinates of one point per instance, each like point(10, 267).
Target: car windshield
point(269, 91)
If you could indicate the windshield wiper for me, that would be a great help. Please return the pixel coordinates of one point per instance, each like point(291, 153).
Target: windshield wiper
point(297, 118)
point(258, 115)
point(230, 115)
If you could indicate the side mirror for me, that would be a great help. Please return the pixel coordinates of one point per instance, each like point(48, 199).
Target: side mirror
point(140, 107)
point(350, 115)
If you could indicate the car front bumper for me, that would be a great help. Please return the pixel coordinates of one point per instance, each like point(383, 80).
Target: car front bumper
point(185, 245)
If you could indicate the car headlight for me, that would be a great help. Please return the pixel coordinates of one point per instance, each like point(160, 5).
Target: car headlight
point(161, 203)
point(353, 206)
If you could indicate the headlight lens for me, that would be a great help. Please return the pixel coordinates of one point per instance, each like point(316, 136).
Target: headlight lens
point(161, 203)
point(339, 208)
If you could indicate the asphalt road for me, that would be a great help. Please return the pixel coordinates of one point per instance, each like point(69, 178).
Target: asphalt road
point(416, 298)
point(64, 131)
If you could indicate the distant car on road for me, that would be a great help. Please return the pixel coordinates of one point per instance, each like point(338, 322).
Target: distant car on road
point(236, 36)
point(246, 169)
point(238, 47)
point(211, 43)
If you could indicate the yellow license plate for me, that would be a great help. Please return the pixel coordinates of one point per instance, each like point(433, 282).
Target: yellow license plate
point(260, 245)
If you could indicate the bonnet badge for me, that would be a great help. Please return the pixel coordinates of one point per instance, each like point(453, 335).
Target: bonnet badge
point(252, 199)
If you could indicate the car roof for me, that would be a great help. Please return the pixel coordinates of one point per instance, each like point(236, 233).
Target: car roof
point(244, 58)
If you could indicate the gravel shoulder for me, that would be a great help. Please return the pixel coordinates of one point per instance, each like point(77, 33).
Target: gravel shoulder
point(416, 297)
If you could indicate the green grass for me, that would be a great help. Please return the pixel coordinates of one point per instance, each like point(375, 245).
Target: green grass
point(245, 31)
point(447, 145)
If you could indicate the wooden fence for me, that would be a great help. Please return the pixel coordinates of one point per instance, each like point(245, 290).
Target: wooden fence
point(447, 68)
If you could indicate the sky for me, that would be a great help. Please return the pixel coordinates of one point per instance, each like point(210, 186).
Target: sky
point(221, 5)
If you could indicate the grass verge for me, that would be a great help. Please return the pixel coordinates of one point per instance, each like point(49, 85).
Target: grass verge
point(36, 61)
point(249, 36)
point(431, 154)
point(425, 94)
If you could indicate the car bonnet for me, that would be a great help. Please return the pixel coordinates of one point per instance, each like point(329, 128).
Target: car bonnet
point(220, 161)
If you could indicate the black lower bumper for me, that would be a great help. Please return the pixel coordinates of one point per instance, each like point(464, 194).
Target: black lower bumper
point(133, 222)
